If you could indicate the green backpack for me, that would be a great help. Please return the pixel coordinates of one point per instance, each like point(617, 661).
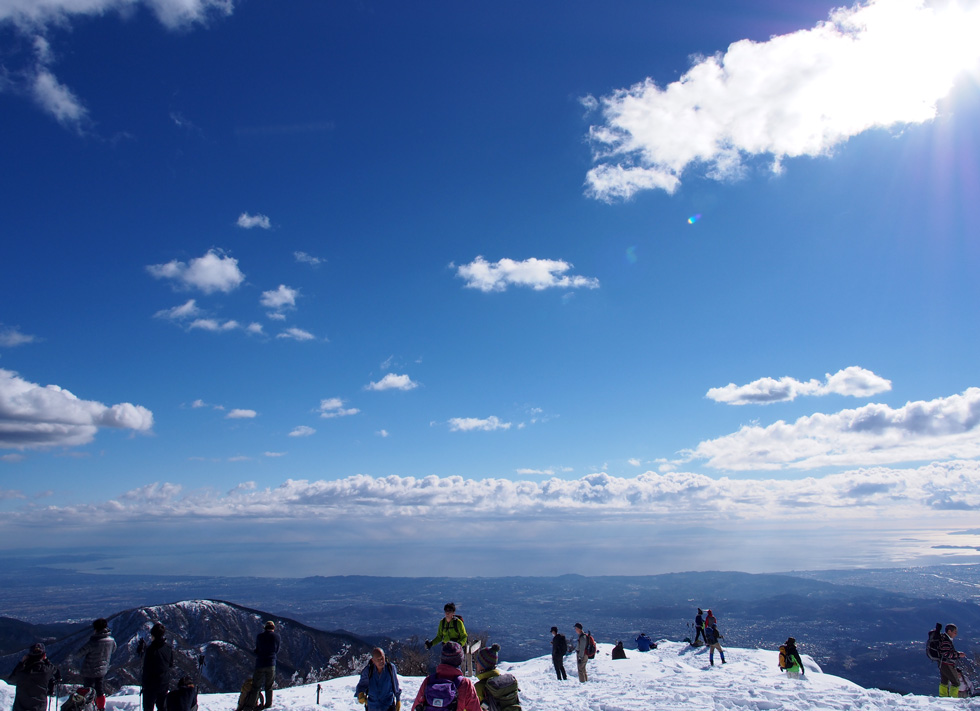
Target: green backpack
point(501, 693)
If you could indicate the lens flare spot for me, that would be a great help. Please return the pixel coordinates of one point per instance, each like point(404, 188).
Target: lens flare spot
point(631, 255)
point(692, 219)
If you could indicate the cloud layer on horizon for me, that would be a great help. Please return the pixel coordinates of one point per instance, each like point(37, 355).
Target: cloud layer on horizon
point(873, 65)
point(852, 381)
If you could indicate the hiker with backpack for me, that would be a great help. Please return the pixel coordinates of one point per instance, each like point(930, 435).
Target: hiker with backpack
point(451, 628)
point(184, 697)
point(559, 648)
point(709, 619)
point(378, 688)
point(158, 660)
point(790, 660)
point(711, 638)
point(584, 651)
point(447, 689)
point(96, 654)
point(267, 645)
point(496, 691)
point(949, 675)
point(34, 676)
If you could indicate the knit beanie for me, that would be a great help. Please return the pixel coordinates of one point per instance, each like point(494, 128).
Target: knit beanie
point(452, 654)
point(488, 656)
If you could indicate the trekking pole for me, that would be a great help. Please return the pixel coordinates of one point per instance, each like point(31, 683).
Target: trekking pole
point(318, 688)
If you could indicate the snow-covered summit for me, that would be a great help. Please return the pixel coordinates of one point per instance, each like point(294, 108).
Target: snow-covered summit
point(675, 676)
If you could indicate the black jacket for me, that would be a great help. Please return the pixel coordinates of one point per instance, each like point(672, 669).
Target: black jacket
point(34, 678)
point(266, 648)
point(158, 660)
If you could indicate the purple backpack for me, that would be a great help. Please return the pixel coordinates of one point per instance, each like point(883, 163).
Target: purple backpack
point(440, 693)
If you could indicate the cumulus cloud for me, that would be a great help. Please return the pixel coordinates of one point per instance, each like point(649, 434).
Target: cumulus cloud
point(334, 407)
point(215, 271)
point(210, 324)
point(302, 431)
point(55, 98)
point(12, 337)
point(186, 310)
point(382, 433)
point(305, 258)
point(538, 274)
point(36, 417)
point(469, 424)
point(939, 429)
point(296, 334)
point(391, 381)
point(852, 381)
point(239, 414)
point(877, 64)
point(279, 299)
point(247, 221)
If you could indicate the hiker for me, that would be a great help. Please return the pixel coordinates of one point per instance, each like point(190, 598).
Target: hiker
point(711, 638)
point(184, 697)
point(619, 652)
point(949, 678)
point(581, 657)
point(451, 628)
point(378, 688)
point(559, 648)
point(644, 643)
point(158, 660)
point(709, 619)
point(267, 645)
point(97, 652)
point(790, 659)
point(698, 628)
point(486, 668)
point(447, 685)
point(35, 677)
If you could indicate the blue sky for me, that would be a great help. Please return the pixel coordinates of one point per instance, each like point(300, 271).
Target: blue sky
point(623, 288)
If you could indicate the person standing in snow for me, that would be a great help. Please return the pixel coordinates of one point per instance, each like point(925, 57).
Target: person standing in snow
point(451, 628)
point(378, 688)
point(949, 678)
point(35, 677)
point(580, 656)
point(448, 671)
point(267, 645)
point(698, 628)
point(96, 654)
point(709, 619)
point(158, 660)
point(712, 637)
point(486, 668)
point(794, 663)
point(559, 648)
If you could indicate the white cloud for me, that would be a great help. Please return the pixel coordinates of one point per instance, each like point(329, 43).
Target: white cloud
point(634, 462)
point(873, 65)
point(212, 272)
point(296, 334)
point(35, 417)
point(239, 414)
point(31, 14)
point(382, 433)
point(469, 424)
point(198, 403)
point(943, 428)
point(302, 431)
point(210, 324)
point(239, 458)
point(279, 299)
point(538, 274)
point(392, 381)
point(12, 337)
point(852, 381)
point(186, 310)
point(305, 258)
point(334, 407)
point(255, 329)
point(249, 221)
point(274, 454)
point(535, 472)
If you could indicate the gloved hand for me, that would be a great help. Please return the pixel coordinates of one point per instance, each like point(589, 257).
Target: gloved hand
point(398, 706)
point(362, 699)
point(428, 644)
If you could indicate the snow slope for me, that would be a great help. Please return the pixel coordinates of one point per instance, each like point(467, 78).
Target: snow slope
point(673, 676)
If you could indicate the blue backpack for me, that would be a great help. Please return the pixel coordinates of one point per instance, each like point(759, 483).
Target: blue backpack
point(440, 693)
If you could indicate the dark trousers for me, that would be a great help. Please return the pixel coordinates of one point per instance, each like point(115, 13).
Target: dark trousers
point(559, 662)
point(699, 633)
point(262, 680)
point(154, 697)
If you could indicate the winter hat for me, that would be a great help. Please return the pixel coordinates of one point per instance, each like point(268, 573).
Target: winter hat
point(452, 654)
point(488, 656)
point(700, 611)
point(37, 650)
point(157, 631)
point(100, 624)
point(270, 625)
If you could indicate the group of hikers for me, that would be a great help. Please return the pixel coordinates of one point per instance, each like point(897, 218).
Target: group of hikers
point(378, 687)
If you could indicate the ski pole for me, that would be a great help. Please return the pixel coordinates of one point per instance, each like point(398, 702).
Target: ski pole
point(318, 688)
